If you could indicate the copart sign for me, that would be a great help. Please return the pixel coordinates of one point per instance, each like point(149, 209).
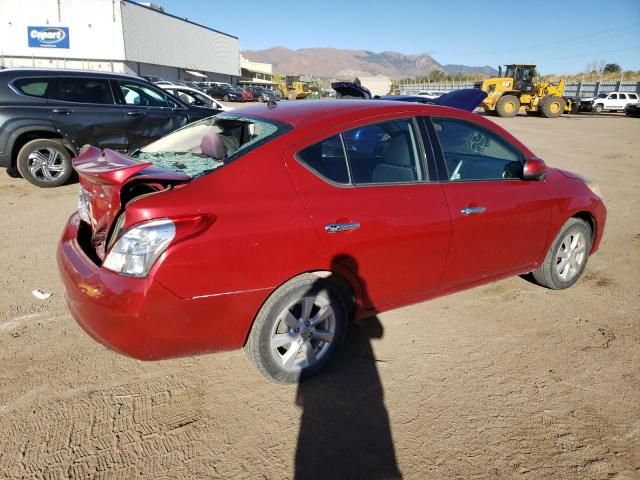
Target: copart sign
point(48, 37)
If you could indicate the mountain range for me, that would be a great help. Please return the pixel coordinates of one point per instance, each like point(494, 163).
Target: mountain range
point(347, 64)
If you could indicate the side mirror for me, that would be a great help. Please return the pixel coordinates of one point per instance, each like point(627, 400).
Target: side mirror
point(534, 169)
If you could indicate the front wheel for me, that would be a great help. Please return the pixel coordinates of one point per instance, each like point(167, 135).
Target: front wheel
point(567, 257)
point(45, 162)
point(297, 330)
point(552, 106)
point(508, 106)
point(225, 98)
point(597, 108)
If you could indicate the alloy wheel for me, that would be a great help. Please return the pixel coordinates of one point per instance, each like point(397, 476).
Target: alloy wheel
point(571, 255)
point(46, 164)
point(303, 332)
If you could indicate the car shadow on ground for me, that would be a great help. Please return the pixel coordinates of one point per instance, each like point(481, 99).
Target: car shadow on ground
point(344, 430)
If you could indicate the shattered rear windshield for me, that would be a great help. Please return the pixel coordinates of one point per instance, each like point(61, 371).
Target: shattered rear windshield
point(207, 145)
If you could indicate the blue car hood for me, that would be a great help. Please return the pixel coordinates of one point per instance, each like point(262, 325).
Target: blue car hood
point(464, 99)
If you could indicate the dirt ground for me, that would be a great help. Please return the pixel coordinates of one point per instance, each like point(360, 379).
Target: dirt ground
point(508, 380)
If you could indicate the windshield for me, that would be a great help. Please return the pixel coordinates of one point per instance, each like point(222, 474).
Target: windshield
point(207, 145)
point(602, 95)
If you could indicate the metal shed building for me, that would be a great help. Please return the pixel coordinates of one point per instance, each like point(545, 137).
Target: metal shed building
point(114, 35)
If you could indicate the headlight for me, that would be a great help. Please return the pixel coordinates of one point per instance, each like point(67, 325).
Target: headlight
point(137, 250)
point(594, 187)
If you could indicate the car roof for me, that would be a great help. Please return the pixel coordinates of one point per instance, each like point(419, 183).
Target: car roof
point(315, 111)
point(43, 72)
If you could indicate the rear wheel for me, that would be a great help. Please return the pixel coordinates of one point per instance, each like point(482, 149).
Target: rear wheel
point(298, 329)
point(225, 98)
point(508, 106)
point(552, 106)
point(45, 163)
point(567, 257)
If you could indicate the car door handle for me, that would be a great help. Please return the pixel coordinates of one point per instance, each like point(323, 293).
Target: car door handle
point(136, 114)
point(472, 210)
point(341, 227)
point(61, 111)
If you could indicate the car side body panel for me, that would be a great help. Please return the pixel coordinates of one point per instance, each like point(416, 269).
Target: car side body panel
point(269, 212)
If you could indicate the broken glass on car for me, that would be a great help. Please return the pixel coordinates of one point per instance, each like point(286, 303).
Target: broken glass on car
point(207, 145)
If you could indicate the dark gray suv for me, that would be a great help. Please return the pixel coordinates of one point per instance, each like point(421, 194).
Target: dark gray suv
point(46, 116)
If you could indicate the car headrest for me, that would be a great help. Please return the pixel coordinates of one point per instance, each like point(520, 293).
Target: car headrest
point(398, 151)
point(212, 146)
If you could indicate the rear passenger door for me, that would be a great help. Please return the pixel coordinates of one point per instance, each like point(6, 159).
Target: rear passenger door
point(368, 192)
point(149, 113)
point(84, 108)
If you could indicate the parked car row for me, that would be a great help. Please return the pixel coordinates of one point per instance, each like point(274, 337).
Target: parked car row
point(48, 115)
point(225, 91)
point(192, 96)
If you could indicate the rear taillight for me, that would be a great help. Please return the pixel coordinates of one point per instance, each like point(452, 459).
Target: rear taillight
point(136, 251)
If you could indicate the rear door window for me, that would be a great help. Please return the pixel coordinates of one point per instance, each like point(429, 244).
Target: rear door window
point(326, 158)
point(385, 152)
point(83, 90)
point(34, 87)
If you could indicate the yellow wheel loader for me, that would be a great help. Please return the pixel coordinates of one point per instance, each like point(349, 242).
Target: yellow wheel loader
point(517, 91)
point(292, 88)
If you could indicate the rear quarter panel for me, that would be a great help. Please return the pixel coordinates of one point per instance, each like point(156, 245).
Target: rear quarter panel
point(260, 228)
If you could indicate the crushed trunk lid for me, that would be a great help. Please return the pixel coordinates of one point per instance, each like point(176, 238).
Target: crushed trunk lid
point(108, 182)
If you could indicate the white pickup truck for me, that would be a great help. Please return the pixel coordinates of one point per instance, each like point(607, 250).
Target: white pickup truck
point(610, 102)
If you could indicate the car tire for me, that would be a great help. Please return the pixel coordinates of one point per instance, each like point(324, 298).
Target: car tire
point(284, 343)
point(508, 106)
point(571, 246)
point(597, 108)
point(552, 106)
point(45, 163)
point(225, 98)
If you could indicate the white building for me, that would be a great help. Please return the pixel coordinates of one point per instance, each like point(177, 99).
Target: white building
point(378, 85)
point(114, 35)
point(255, 73)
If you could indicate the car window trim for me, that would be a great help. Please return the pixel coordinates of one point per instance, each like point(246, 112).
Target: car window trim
point(318, 174)
point(422, 152)
point(440, 154)
point(88, 77)
point(52, 81)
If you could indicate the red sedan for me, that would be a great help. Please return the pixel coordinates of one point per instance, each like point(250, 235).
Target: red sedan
point(270, 228)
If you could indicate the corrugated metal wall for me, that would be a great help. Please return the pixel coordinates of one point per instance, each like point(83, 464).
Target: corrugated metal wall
point(156, 38)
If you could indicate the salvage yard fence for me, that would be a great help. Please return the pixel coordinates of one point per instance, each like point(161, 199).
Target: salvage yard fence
point(574, 89)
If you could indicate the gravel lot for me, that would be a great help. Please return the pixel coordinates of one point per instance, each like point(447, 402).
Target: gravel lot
point(508, 380)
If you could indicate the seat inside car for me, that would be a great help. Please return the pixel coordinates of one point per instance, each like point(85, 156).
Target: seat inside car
point(397, 164)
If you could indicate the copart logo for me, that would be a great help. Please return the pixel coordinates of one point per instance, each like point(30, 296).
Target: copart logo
point(48, 37)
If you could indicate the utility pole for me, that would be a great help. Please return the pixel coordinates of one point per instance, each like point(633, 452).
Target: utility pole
point(428, 54)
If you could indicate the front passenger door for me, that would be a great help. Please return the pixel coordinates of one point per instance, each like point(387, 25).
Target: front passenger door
point(500, 222)
point(149, 113)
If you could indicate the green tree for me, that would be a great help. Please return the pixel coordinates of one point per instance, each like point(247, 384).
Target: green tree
point(612, 68)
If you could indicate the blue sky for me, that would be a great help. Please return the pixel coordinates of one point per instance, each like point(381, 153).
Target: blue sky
point(562, 38)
